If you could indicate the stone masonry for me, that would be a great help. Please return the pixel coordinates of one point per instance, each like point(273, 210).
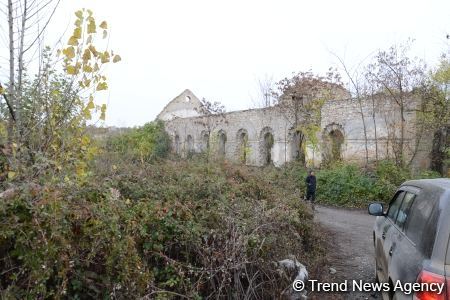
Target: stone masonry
point(265, 136)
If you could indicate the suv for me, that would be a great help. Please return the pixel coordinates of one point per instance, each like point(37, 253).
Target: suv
point(412, 239)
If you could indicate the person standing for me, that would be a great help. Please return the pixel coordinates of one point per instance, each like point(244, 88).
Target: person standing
point(311, 187)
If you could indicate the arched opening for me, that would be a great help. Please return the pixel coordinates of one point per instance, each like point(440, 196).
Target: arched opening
point(177, 144)
point(298, 147)
point(205, 142)
point(266, 146)
point(222, 140)
point(242, 147)
point(337, 139)
point(190, 144)
point(333, 138)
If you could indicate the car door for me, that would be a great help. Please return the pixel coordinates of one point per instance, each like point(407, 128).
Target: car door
point(404, 262)
point(387, 234)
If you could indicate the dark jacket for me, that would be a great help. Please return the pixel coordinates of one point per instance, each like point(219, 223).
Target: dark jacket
point(311, 183)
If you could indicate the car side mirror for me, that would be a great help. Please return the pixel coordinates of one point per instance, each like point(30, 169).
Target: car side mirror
point(376, 209)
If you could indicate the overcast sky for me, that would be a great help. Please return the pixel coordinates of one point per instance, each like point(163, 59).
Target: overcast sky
point(218, 49)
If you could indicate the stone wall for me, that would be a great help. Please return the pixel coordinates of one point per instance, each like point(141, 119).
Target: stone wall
point(261, 136)
point(255, 124)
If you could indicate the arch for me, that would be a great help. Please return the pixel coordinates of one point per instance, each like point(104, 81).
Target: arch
point(333, 136)
point(222, 140)
point(242, 148)
point(204, 136)
point(177, 144)
point(266, 145)
point(297, 140)
point(190, 144)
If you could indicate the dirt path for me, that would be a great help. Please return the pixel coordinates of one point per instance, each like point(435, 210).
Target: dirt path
point(351, 247)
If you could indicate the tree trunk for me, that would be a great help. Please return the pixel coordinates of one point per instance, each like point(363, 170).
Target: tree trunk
point(364, 129)
point(20, 70)
point(11, 95)
point(375, 128)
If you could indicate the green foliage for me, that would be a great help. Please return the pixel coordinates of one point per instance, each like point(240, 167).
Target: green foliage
point(145, 143)
point(177, 227)
point(346, 185)
point(52, 108)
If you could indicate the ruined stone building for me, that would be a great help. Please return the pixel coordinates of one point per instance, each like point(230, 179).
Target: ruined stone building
point(266, 136)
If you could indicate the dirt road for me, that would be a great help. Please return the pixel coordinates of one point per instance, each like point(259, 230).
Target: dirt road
point(351, 247)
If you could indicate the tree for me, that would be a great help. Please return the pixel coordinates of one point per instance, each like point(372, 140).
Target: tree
point(212, 115)
point(265, 87)
point(300, 99)
point(27, 22)
point(397, 77)
point(49, 110)
point(434, 113)
point(358, 88)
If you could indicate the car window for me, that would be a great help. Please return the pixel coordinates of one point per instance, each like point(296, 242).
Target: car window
point(404, 210)
point(395, 205)
point(421, 225)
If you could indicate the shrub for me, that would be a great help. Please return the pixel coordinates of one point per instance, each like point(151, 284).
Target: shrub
point(144, 144)
point(352, 186)
point(159, 230)
point(345, 185)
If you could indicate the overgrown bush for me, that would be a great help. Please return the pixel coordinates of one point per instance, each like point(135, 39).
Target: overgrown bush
point(352, 186)
point(344, 184)
point(144, 144)
point(160, 230)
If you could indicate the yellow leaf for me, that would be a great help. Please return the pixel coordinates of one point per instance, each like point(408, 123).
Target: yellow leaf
point(117, 58)
point(93, 50)
point(104, 25)
point(87, 68)
point(87, 82)
point(103, 114)
point(2, 90)
point(87, 114)
point(71, 70)
point(90, 105)
point(79, 14)
point(78, 23)
point(77, 33)
point(11, 174)
point(73, 41)
point(105, 57)
point(69, 52)
point(102, 86)
point(90, 13)
point(91, 28)
point(86, 55)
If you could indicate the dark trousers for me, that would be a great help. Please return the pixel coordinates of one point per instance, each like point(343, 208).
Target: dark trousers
point(310, 195)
